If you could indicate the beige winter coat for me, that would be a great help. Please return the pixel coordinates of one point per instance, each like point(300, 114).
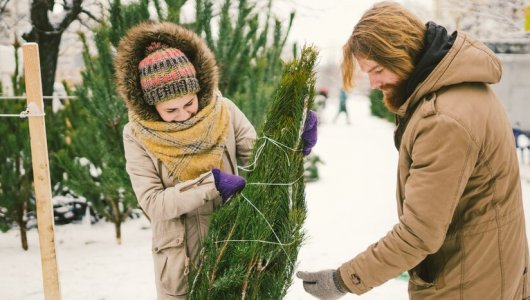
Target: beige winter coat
point(461, 229)
point(179, 211)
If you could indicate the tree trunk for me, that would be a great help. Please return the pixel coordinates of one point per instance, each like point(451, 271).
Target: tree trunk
point(116, 218)
point(48, 53)
point(23, 236)
point(49, 38)
point(117, 226)
point(22, 222)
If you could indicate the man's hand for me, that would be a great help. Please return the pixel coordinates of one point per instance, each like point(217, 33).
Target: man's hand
point(325, 284)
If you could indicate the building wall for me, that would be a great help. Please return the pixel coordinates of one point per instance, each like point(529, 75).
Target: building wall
point(514, 88)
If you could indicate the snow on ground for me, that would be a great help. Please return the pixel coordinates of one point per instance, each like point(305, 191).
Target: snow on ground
point(352, 206)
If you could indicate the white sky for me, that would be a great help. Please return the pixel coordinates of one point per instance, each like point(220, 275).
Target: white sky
point(327, 24)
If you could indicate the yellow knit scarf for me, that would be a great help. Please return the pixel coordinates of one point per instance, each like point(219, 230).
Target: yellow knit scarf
point(187, 148)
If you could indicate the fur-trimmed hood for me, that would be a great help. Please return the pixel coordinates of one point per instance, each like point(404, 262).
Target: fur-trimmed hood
point(131, 51)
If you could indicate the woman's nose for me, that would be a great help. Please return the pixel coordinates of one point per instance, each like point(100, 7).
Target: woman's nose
point(182, 116)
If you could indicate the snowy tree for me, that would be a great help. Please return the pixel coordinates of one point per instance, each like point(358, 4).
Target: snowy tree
point(15, 162)
point(248, 45)
point(16, 190)
point(94, 163)
point(44, 22)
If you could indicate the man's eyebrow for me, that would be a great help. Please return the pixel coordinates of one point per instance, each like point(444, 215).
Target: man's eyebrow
point(374, 67)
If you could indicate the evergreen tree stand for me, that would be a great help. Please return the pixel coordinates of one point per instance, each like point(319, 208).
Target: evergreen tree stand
point(253, 241)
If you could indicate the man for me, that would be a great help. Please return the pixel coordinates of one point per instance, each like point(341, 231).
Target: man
point(461, 231)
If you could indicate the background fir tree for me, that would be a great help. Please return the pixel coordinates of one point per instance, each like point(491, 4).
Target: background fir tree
point(248, 52)
point(377, 107)
point(15, 166)
point(94, 162)
point(253, 242)
point(16, 191)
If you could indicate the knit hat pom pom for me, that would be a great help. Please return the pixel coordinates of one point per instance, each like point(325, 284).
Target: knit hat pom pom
point(155, 46)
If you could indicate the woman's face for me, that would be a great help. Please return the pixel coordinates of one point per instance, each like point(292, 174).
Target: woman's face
point(178, 109)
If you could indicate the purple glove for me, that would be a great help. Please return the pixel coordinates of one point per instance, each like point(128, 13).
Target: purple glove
point(227, 184)
point(309, 136)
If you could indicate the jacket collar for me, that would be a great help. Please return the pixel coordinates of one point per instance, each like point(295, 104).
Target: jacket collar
point(467, 60)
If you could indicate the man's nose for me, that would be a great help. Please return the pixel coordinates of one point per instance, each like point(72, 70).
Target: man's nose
point(374, 83)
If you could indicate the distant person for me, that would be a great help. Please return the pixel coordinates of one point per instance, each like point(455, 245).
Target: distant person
point(461, 230)
point(342, 106)
point(319, 104)
point(521, 140)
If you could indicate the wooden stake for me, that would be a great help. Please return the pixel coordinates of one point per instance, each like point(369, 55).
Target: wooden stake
point(41, 171)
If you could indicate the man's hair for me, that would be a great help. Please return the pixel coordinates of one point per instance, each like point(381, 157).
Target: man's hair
point(388, 34)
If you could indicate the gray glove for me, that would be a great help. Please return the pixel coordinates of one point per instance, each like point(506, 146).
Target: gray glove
point(325, 284)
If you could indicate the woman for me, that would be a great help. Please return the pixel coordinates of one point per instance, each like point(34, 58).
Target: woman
point(182, 143)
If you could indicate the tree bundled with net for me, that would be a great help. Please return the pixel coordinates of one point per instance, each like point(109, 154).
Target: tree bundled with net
point(253, 242)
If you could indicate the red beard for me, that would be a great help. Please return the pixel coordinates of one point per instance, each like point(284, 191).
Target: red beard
point(394, 95)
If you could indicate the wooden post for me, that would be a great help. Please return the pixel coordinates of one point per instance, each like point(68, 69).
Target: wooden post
point(41, 171)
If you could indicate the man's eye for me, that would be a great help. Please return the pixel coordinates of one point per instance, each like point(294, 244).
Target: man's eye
point(170, 110)
point(189, 103)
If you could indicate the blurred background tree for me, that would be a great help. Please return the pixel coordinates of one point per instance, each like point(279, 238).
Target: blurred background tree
point(16, 187)
point(377, 107)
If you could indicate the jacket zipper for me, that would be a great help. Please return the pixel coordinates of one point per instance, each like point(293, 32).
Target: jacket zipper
point(234, 170)
point(197, 183)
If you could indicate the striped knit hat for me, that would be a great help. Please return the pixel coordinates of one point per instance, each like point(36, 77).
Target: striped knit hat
point(166, 73)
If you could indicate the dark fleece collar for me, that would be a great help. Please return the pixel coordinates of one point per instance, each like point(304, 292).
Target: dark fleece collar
point(437, 44)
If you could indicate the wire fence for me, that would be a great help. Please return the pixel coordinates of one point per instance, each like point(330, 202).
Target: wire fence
point(4, 97)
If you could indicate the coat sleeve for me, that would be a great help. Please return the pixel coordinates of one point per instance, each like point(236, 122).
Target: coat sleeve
point(443, 156)
point(159, 202)
point(244, 132)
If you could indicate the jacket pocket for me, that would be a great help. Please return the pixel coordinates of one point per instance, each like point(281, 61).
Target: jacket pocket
point(171, 265)
point(416, 280)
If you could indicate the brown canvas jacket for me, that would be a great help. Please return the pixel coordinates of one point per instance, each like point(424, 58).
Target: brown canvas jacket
point(461, 231)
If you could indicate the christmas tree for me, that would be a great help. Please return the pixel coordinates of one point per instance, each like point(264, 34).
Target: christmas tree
point(253, 241)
